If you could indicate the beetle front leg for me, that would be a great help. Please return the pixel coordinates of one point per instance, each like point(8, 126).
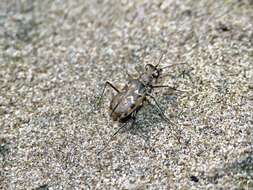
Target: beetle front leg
point(169, 87)
point(102, 94)
point(163, 86)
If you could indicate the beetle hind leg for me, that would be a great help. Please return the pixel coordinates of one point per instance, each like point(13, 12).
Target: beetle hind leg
point(164, 117)
point(115, 133)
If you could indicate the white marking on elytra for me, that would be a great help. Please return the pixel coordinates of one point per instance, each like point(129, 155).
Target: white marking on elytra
point(137, 92)
point(131, 98)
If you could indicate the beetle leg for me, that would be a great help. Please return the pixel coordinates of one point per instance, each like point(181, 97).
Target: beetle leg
point(162, 114)
point(170, 88)
point(115, 133)
point(133, 118)
point(102, 94)
point(164, 86)
point(129, 75)
point(114, 109)
point(159, 109)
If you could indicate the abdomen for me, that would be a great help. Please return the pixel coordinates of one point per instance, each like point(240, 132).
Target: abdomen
point(122, 107)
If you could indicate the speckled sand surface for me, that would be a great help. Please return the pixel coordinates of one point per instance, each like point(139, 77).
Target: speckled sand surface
point(56, 56)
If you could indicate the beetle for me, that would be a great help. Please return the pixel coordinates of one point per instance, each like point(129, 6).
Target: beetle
point(126, 103)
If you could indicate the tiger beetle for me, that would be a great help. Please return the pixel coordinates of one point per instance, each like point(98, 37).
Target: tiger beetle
point(128, 101)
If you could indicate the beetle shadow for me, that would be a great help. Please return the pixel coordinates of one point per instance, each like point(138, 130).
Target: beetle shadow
point(149, 118)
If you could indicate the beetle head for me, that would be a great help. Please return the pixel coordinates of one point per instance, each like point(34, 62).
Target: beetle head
point(153, 70)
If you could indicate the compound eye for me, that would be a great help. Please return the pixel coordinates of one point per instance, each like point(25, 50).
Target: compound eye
point(148, 67)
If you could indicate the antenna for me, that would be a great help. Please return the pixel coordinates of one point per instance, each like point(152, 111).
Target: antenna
point(173, 65)
point(159, 60)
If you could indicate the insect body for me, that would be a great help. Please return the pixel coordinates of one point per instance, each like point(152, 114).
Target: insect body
point(128, 101)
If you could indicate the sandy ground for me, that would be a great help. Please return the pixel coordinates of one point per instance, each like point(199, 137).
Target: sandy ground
point(56, 56)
